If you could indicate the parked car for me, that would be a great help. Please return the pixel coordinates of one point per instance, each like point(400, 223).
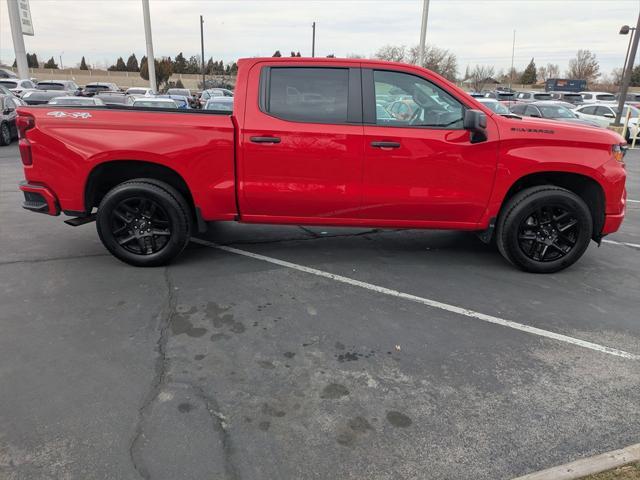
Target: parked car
point(139, 91)
point(532, 96)
point(604, 115)
point(494, 105)
point(598, 97)
point(213, 92)
point(69, 101)
point(220, 104)
point(308, 148)
point(8, 115)
point(501, 95)
point(5, 91)
point(569, 97)
point(16, 85)
point(477, 94)
point(4, 73)
point(90, 89)
point(181, 100)
point(48, 89)
point(551, 110)
point(154, 102)
point(632, 98)
point(184, 92)
point(115, 98)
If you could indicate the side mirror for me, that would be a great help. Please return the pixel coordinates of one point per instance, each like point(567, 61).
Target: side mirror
point(476, 122)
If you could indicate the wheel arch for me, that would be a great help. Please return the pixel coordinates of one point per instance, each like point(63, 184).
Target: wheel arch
point(584, 186)
point(104, 176)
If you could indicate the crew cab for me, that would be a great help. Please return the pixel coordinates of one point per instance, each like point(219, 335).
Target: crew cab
point(307, 144)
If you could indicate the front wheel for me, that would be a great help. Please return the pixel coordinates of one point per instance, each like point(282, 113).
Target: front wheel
point(544, 229)
point(144, 222)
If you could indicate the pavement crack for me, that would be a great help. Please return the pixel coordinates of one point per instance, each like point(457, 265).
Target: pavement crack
point(54, 259)
point(159, 378)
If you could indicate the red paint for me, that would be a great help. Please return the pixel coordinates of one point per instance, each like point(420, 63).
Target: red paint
point(322, 174)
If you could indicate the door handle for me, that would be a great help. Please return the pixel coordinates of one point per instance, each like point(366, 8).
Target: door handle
point(265, 139)
point(385, 144)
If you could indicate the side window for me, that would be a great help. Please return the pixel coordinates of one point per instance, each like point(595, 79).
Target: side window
point(588, 110)
point(587, 96)
point(420, 103)
point(532, 111)
point(518, 109)
point(313, 94)
point(602, 111)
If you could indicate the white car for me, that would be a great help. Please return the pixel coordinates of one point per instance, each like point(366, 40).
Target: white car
point(598, 97)
point(69, 101)
point(154, 102)
point(604, 115)
point(139, 91)
point(16, 85)
point(494, 105)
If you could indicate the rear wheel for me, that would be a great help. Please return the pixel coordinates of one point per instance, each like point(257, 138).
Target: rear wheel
point(144, 222)
point(544, 229)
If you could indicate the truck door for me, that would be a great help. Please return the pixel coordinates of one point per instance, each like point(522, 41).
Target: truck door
point(423, 170)
point(300, 146)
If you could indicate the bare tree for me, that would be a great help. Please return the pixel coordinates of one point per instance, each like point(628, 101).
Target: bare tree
point(584, 66)
point(543, 73)
point(439, 60)
point(391, 53)
point(553, 70)
point(480, 76)
point(616, 76)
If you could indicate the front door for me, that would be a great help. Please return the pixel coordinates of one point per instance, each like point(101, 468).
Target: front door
point(422, 169)
point(301, 144)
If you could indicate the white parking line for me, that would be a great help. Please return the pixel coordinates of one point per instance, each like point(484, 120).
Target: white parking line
point(425, 301)
point(626, 244)
point(633, 201)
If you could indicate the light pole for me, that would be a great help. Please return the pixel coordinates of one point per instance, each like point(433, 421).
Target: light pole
point(626, 78)
point(61, 67)
point(18, 40)
point(151, 63)
point(313, 40)
point(423, 32)
point(204, 86)
point(513, 52)
point(624, 30)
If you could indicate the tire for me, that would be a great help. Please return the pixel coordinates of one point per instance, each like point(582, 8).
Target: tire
point(552, 244)
point(5, 134)
point(144, 222)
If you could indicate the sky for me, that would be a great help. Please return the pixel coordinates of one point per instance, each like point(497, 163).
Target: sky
point(477, 31)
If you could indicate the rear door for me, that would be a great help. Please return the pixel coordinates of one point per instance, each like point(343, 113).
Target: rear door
point(423, 170)
point(301, 150)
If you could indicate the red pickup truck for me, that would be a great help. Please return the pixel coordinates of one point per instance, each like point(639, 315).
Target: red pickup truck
point(326, 142)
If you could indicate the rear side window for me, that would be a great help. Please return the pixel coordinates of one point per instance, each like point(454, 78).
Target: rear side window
point(317, 95)
point(588, 110)
point(606, 97)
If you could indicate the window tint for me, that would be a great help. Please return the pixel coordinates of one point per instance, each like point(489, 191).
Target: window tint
point(417, 103)
point(532, 111)
point(588, 110)
point(309, 94)
point(9, 83)
point(602, 111)
point(518, 109)
point(606, 97)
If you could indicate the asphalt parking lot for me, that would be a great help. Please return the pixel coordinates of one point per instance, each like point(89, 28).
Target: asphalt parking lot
point(233, 365)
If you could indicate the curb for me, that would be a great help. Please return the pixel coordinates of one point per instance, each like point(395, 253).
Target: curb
point(588, 466)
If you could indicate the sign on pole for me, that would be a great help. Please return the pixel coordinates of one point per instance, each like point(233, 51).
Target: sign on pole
point(25, 17)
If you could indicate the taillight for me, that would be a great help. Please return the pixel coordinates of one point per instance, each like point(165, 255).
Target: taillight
point(618, 152)
point(25, 122)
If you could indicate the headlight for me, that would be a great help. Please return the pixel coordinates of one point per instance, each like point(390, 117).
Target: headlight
point(618, 152)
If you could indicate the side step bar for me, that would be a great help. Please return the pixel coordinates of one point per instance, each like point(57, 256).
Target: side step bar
point(76, 222)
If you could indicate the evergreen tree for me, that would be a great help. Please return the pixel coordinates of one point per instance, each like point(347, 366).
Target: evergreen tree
point(83, 64)
point(51, 63)
point(132, 63)
point(529, 76)
point(180, 64)
point(277, 54)
point(635, 76)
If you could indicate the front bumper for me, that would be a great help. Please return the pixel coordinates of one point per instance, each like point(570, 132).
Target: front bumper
point(38, 198)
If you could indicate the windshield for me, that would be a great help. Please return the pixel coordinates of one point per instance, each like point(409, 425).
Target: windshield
point(555, 111)
point(179, 91)
point(97, 87)
point(497, 107)
point(72, 101)
point(9, 83)
point(50, 86)
point(151, 104)
point(542, 96)
point(606, 97)
point(137, 91)
point(220, 106)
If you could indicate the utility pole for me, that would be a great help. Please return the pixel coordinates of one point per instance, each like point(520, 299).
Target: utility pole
point(313, 40)
point(18, 40)
point(626, 79)
point(423, 32)
point(61, 67)
point(513, 52)
point(204, 85)
point(151, 63)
